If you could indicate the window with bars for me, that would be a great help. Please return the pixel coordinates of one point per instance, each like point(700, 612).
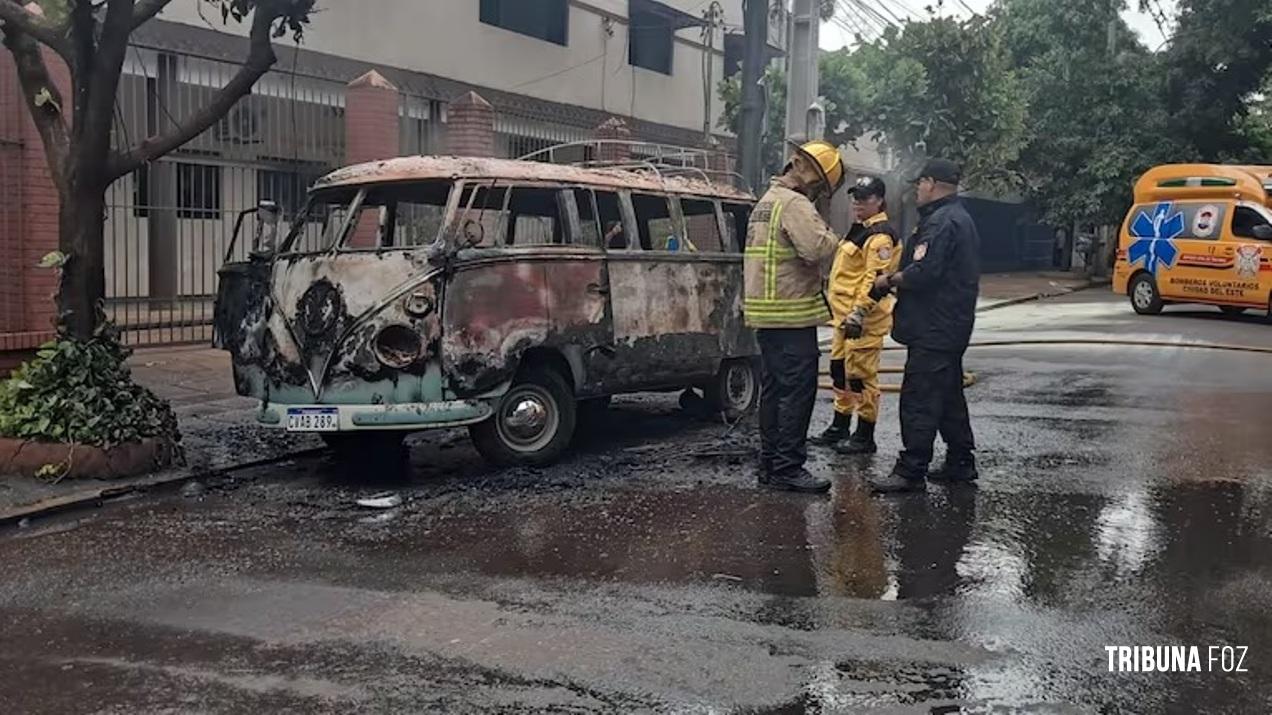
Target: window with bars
point(199, 191)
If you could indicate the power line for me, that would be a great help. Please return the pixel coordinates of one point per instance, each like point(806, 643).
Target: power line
point(558, 73)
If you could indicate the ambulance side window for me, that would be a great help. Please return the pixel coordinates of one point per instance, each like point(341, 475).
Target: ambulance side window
point(1245, 221)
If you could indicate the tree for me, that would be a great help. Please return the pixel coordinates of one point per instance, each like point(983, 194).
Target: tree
point(92, 37)
point(1096, 115)
point(1220, 55)
point(944, 87)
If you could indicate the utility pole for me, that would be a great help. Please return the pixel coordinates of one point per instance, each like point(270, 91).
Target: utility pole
point(712, 16)
point(805, 119)
point(751, 119)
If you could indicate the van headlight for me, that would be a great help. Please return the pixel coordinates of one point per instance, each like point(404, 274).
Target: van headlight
point(398, 346)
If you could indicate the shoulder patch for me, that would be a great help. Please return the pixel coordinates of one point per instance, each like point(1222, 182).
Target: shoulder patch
point(885, 253)
point(920, 251)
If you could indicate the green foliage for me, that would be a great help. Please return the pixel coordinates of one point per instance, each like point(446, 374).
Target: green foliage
point(293, 15)
point(773, 152)
point(80, 391)
point(1095, 115)
point(1221, 54)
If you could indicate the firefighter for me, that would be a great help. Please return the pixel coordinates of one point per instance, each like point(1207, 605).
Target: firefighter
point(936, 288)
point(787, 246)
point(861, 322)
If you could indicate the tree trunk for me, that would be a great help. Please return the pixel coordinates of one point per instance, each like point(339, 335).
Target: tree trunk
point(81, 236)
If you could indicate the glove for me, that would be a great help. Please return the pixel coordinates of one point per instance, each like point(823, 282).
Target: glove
point(854, 325)
point(877, 292)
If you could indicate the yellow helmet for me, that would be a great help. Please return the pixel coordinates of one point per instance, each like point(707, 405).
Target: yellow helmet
point(825, 158)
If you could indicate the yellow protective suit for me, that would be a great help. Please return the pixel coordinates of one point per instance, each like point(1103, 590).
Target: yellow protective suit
point(871, 248)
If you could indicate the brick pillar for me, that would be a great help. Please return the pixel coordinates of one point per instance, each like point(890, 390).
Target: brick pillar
point(613, 129)
point(372, 132)
point(470, 126)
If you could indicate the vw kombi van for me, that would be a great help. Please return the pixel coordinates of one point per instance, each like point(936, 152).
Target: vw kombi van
point(511, 297)
point(1198, 233)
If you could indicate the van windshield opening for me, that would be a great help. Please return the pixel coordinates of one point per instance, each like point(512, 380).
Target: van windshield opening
point(400, 215)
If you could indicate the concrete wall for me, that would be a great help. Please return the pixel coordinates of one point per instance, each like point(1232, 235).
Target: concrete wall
point(446, 38)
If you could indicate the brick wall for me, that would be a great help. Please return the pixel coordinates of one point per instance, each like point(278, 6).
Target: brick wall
point(27, 307)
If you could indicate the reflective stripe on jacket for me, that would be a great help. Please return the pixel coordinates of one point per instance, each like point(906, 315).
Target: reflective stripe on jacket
point(787, 244)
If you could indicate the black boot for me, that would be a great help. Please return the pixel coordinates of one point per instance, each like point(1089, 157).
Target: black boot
point(956, 469)
point(798, 481)
point(861, 441)
point(894, 483)
point(839, 429)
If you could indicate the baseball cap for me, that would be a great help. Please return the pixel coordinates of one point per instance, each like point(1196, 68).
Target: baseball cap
point(942, 170)
point(867, 186)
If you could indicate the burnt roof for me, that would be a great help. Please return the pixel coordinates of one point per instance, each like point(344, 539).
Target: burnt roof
point(451, 167)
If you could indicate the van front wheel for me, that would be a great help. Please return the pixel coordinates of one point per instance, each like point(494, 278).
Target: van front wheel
point(532, 424)
point(1145, 298)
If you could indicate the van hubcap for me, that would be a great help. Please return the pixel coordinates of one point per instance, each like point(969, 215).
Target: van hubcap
point(529, 418)
point(1143, 294)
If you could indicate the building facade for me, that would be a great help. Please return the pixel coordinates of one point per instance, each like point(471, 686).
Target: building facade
point(372, 79)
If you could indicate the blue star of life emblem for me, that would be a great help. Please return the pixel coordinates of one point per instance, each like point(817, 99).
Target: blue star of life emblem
point(1154, 234)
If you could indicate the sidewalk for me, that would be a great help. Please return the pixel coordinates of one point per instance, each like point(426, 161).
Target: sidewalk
point(218, 428)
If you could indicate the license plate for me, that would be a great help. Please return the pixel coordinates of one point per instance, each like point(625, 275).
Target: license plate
point(313, 419)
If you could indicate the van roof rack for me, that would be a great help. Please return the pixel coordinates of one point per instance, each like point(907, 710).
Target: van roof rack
point(662, 160)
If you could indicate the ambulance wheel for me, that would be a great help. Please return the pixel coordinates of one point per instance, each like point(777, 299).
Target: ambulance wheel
point(736, 387)
point(1144, 296)
point(533, 422)
point(1232, 309)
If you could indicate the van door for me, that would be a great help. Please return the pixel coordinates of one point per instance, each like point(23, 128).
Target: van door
point(1252, 248)
point(666, 294)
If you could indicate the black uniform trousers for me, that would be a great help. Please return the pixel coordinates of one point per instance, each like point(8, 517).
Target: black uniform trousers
point(932, 402)
point(789, 358)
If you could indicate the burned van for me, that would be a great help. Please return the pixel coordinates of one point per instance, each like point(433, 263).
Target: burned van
point(511, 297)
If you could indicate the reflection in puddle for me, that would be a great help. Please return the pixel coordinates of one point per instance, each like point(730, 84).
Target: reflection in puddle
point(1126, 534)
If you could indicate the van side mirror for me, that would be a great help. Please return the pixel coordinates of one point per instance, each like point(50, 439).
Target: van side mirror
point(265, 239)
point(1263, 232)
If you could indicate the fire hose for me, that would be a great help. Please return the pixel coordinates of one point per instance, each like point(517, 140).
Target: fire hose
point(969, 378)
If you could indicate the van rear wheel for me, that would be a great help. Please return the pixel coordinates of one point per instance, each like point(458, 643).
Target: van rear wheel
point(736, 387)
point(1145, 298)
point(1232, 309)
point(533, 422)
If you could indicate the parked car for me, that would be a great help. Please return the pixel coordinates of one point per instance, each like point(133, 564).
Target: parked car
point(511, 297)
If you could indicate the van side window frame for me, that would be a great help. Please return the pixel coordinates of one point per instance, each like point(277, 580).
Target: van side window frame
point(630, 229)
point(575, 219)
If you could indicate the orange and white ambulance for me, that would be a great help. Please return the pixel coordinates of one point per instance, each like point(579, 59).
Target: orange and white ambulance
point(1198, 233)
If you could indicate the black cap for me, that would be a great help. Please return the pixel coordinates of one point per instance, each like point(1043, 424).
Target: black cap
point(868, 186)
point(941, 170)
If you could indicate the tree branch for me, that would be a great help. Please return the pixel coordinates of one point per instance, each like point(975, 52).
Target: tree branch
point(16, 17)
point(43, 100)
point(102, 82)
point(146, 11)
point(260, 59)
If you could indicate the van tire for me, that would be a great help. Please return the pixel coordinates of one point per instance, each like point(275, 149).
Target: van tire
point(1232, 310)
point(735, 389)
point(1145, 298)
point(541, 433)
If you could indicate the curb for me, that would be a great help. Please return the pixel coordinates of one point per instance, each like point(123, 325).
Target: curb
point(95, 497)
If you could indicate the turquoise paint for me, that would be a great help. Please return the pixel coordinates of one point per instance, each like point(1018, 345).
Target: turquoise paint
point(423, 415)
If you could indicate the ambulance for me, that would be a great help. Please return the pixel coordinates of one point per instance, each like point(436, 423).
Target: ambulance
point(1198, 233)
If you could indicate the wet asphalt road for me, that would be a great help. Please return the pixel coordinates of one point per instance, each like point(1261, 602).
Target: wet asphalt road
point(1125, 499)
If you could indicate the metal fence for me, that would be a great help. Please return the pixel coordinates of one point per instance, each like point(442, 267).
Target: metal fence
point(169, 225)
point(520, 133)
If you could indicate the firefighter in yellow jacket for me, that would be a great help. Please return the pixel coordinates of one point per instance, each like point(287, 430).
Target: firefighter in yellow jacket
point(787, 247)
point(869, 250)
